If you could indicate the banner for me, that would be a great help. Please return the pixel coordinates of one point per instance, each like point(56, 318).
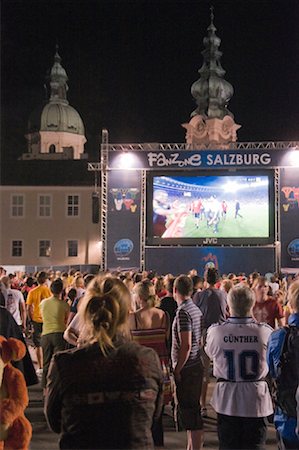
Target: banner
point(226, 259)
point(123, 220)
point(203, 159)
point(289, 218)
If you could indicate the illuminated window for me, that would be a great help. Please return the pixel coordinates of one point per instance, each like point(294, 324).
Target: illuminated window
point(73, 205)
point(17, 248)
point(72, 248)
point(17, 205)
point(45, 248)
point(44, 206)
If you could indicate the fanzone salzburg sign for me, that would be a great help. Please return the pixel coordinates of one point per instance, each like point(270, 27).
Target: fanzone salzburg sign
point(216, 159)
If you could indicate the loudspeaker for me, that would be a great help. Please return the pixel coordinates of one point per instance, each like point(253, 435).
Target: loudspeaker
point(95, 207)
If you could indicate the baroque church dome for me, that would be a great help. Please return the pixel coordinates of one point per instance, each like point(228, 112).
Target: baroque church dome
point(56, 130)
point(58, 115)
point(61, 117)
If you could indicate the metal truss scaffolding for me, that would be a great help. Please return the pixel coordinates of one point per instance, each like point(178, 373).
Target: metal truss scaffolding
point(104, 197)
point(102, 166)
point(277, 221)
point(142, 219)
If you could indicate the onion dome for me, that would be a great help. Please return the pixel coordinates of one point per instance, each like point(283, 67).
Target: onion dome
point(211, 92)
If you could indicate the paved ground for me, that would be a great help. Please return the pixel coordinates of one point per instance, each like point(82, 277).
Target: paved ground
point(44, 439)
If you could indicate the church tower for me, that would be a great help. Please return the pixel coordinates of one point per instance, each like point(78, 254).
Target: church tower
point(58, 132)
point(211, 122)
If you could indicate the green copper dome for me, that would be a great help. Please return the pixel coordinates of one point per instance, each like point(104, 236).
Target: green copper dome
point(61, 117)
point(58, 115)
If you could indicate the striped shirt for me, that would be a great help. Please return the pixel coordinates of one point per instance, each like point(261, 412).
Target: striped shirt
point(188, 318)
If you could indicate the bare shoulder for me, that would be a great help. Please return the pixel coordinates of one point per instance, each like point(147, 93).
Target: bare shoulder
point(132, 320)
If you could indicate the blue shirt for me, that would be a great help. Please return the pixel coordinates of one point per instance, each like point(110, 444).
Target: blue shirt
point(286, 426)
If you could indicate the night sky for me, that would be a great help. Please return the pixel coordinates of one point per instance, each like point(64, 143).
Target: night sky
point(131, 65)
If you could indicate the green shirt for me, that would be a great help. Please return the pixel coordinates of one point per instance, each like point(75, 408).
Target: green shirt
point(53, 312)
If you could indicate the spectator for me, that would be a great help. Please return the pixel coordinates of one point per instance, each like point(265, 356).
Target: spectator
point(186, 361)
point(273, 284)
point(150, 327)
point(213, 306)
point(79, 294)
point(107, 393)
point(9, 328)
point(15, 303)
point(253, 279)
point(129, 283)
point(71, 296)
point(160, 287)
point(98, 285)
point(35, 296)
point(241, 396)
point(54, 313)
point(168, 303)
point(198, 283)
point(283, 360)
point(226, 285)
point(266, 309)
point(29, 284)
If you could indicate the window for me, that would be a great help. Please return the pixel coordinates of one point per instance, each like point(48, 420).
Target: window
point(17, 248)
point(45, 248)
point(17, 205)
point(44, 207)
point(73, 205)
point(72, 248)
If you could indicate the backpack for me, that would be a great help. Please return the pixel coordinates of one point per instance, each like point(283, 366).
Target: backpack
point(288, 373)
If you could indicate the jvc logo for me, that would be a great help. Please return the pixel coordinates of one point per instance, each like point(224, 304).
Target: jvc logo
point(211, 240)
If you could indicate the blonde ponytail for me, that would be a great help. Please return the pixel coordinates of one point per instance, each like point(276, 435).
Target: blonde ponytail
point(101, 321)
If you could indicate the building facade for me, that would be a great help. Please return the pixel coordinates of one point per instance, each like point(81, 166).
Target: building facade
point(47, 197)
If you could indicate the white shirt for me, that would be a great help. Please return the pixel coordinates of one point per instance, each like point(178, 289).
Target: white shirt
point(14, 298)
point(238, 349)
point(274, 287)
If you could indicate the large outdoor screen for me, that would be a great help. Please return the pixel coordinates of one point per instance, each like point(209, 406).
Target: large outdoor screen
point(233, 208)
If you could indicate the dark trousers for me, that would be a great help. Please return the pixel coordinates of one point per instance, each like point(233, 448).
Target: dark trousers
point(241, 432)
point(51, 343)
point(187, 396)
point(157, 431)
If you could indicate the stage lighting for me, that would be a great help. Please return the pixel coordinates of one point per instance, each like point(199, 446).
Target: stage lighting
point(126, 160)
point(294, 157)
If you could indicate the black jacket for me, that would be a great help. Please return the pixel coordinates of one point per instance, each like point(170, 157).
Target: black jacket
point(99, 402)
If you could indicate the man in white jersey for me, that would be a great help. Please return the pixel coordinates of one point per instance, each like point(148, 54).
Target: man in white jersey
point(241, 397)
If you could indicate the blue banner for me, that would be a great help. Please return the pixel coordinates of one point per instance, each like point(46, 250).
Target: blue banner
point(289, 218)
point(203, 159)
point(123, 221)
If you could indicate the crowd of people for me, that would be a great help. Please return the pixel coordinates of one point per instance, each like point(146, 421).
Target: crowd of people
point(113, 349)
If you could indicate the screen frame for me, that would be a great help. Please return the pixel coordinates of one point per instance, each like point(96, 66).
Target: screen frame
point(152, 240)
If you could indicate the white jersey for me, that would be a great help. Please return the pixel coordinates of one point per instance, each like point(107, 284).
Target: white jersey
point(14, 298)
point(238, 350)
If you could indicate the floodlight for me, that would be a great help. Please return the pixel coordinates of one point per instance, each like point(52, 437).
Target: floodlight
point(294, 157)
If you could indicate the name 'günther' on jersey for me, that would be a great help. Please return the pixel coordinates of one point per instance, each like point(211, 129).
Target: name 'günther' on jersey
point(238, 348)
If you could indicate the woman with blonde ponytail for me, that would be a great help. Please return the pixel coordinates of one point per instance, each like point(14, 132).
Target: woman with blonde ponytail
point(106, 393)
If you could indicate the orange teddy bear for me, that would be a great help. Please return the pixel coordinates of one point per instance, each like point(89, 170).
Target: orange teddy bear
point(15, 429)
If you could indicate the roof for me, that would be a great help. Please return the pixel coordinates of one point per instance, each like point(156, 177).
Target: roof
point(47, 173)
point(58, 116)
